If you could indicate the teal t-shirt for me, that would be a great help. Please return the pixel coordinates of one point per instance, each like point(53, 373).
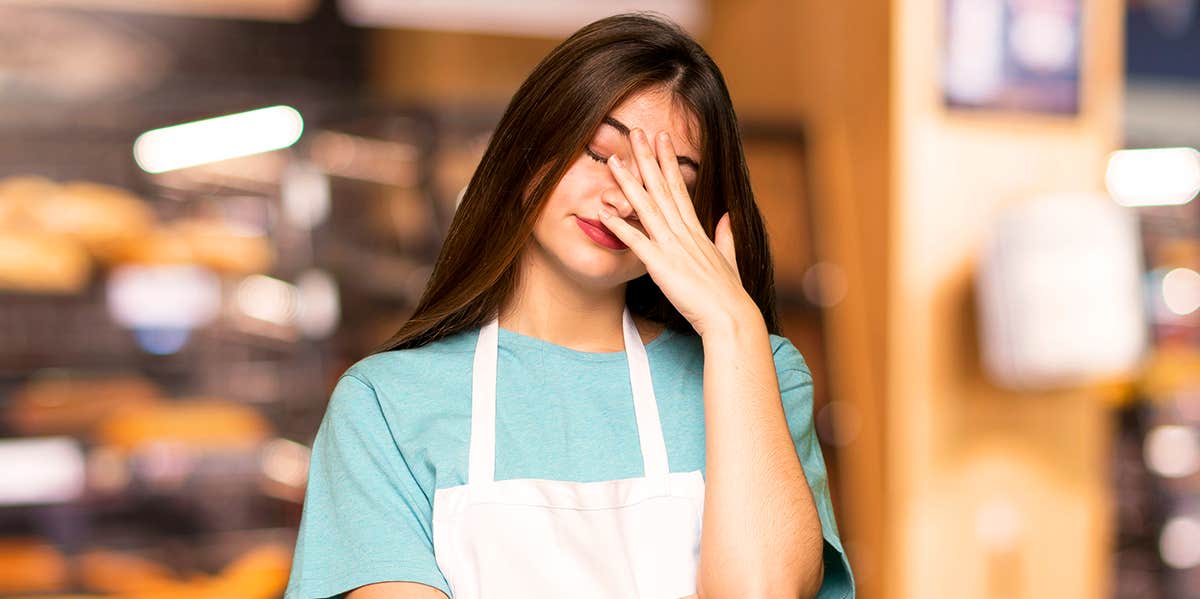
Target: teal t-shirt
point(398, 424)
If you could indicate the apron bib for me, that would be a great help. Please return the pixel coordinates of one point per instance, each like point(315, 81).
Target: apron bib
point(628, 538)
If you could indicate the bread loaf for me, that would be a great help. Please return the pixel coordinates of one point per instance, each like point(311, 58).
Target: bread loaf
point(202, 423)
point(226, 247)
point(31, 565)
point(36, 262)
point(74, 404)
point(94, 214)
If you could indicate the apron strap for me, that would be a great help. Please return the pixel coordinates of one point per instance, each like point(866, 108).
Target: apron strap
point(481, 465)
point(481, 469)
point(645, 405)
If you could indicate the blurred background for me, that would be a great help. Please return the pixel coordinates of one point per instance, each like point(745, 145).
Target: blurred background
point(982, 214)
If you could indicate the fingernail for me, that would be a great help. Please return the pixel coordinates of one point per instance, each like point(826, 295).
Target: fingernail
point(604, 213)
point(616, 161)
point(662, 135)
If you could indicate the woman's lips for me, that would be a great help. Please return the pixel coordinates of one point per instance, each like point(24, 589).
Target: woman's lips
point(598, 233)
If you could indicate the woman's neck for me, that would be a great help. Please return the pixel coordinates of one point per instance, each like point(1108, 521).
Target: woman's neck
point(563, 313)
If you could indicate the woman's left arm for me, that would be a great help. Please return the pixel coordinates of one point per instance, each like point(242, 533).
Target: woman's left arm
point(761, 533)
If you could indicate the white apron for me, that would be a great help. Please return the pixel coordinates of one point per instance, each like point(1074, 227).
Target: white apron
point(619, 539)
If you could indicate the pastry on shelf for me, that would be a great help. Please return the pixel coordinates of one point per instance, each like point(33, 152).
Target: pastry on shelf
point(74, 404)
point(37, 262)
point(122, 573)
point(58, 596)
point(200, 423)
point(19, 192)
point(219, 246)
point(260, 573)
point(226, 247)
point(93, 214)
point(31, 565)
point(155, 246)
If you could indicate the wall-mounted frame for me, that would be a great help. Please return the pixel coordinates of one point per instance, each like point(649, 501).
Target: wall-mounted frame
point(1012, 55)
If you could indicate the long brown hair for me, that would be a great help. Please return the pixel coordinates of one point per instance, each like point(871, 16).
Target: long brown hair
point(544, 129)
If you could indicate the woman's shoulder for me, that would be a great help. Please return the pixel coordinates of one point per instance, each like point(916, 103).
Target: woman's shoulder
point(787, 356)
point(444, 356)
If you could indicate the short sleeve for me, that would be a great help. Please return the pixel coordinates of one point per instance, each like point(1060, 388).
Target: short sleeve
point(365, 518)
point(796, 391)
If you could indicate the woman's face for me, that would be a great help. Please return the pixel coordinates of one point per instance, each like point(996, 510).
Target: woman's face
point(562, 238)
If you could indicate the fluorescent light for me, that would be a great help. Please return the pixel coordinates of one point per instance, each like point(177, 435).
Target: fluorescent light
point(163, 296)
point(1181, 291)
point(41, 470)
point(1153, 177)
point(1172, 451)
point(319, 307)
point(267, 298)
point(218, 138)
point(1179, 542)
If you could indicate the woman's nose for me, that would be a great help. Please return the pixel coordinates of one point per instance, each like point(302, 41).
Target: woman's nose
point(615, 200)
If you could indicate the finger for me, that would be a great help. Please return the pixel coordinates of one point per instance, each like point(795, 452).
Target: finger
point(639, 243)
point(653, 180)
point(669, 161)
point(647, 211)
point(682, 201)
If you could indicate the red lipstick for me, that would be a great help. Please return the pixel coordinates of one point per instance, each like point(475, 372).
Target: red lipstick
point(599, 233)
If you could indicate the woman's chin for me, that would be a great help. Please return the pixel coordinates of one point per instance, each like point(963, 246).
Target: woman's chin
point(589, 264)
point(601, 272)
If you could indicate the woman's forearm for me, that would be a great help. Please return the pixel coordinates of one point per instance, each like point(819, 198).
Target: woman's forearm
point(761, 532)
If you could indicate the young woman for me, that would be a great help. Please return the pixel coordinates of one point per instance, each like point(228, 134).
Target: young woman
point(591, 399)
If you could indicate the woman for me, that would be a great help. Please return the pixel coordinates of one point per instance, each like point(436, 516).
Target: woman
point(592, 376)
